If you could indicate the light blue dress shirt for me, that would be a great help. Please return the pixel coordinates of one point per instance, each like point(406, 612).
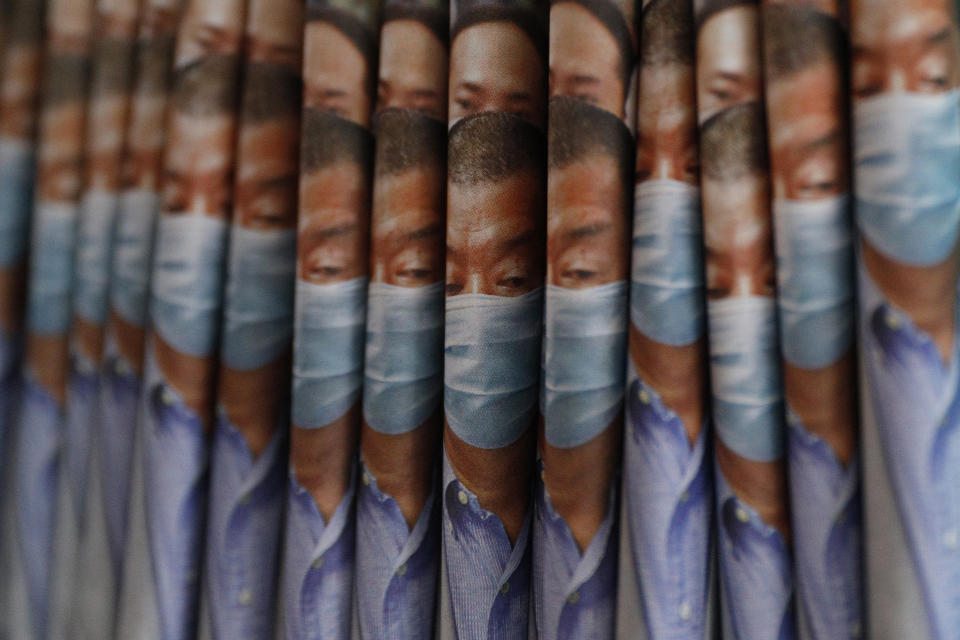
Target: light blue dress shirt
point(396, 566)
point(825, 501)
point(489, 579)
point(82, 395)
point(755, 571)
point(243, 533)
point(916, 405)
point(318, 567)
point(38, 464)
point(119, 398)
point(669, 510)
point(574, 593)
point(175, 457)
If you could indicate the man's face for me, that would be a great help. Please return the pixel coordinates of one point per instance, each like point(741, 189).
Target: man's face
point(19, 86)
point(407, 242)
point(413, 69)
point(586, 226)
point(144, 155)
point(808, 145)
point(198, 165)
point(59, 167)
point(908, 45)
point(495, 67)
point(106, 141)
point(585, 61)
point(266, 184)
point(667, 125)
point(737, 236)
point(493, 237)
point(335, 74)
point(333, 229)
point(728, 60)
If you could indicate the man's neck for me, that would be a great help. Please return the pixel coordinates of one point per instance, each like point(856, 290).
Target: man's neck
point(676, 374)
point(927, 294)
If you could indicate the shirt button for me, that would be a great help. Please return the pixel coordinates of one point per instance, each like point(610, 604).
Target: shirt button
point(684, 496)
point(366, 478)
point(505, 589)
point(685, 610)
point(574, 597)
point(742, 515)
point(450, 527)
point(892, 320)
point(167, 397)
point(317, 563)
point(950, 539)
point(245, 500)
point(644, 396)
point(245, 597)
point(401, 570)
point(462, 497)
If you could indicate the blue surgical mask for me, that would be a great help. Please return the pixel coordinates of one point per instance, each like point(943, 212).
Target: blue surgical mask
point(666, 288)
point(907, 159)
point(814, 279)
point(403, 375)
point(584, 352)
point(94, 237)
point(328, 350)
point(16, 198)
point(745, 373)
point(188, 281)
point(491, 357)
point(258, 307)
point(132, 255)
point(51, 268)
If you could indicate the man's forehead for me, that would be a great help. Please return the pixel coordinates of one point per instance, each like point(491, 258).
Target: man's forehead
point(900, 20)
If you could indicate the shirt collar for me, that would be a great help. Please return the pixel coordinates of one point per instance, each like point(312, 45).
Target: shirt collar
point(254, 470)
point(808, 443)
point(740, 520)
point(330, 532)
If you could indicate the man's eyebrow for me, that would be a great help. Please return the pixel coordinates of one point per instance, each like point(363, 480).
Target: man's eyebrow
point(938, 38)
point(313, 235)
point(430, 231)
point(583, 79)
point(283, 181)
point(425, 93)
point(520, 240)
point(519, 95)
point(825, 140)
point(587, 230)
point(472, 87)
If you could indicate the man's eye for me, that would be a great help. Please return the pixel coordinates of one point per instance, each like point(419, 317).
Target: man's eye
point(512, 283)
point(466, 105)
point(715, 293)
point(454, 288)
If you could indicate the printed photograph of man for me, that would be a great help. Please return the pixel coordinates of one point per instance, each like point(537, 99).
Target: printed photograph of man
point(754, 527)
point(185, 307)
point(667, 478)
point(585, 342)
point(340, 59)
point(591, 53)
point(906, 117)
point(18, 100)
point(413, 57)
point(331, 294)
point(805, 59)
point(728, 67)
point(494, 274)
point(57, 193)
point(498, 59)
point(141, 168)
point(249, 451)
point(397, 506)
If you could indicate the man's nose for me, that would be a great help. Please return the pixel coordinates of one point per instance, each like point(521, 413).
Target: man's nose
point(475, 283)
point(897, 80)
point(667, 168)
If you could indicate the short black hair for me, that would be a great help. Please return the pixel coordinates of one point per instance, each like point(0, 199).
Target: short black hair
point(154, 62)
point(327, 139)
point(713, 7)
point(666, 33)
point(434, 19)
point(733, 143)
point(270, 91)
point(409, 139)
point(796, 37)
point(528, 22)
point(613, 19)
point(361, 34)
point(112, 70)
point(493, 146)
point(578, 130)
point(208, 86)
point(65, 78)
